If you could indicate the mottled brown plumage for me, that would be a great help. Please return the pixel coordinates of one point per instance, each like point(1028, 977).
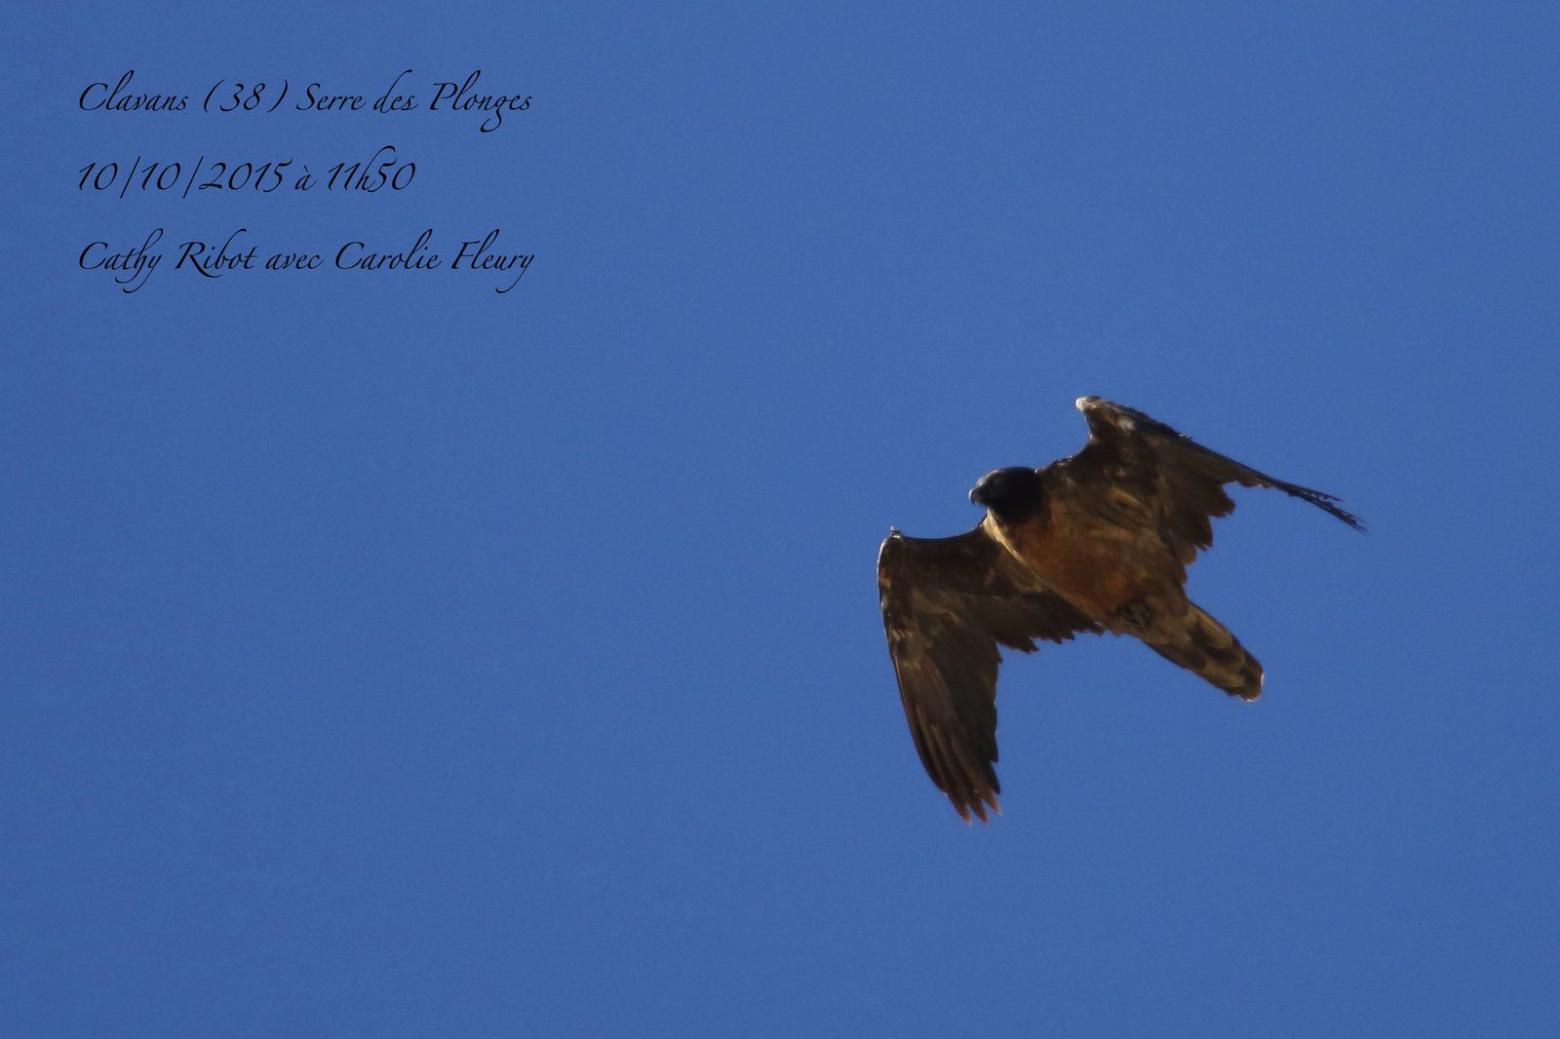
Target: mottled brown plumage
point(1093, 543)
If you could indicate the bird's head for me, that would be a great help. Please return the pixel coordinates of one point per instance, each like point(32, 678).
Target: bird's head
point(1008, 492)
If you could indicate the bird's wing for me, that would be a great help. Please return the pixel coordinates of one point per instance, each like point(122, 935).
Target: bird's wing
point(947, 603)
point(1186, 478)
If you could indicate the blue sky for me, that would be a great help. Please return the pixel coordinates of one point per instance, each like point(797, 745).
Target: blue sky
point(387, 656)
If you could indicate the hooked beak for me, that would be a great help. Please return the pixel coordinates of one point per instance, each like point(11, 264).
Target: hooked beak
point(979, 494)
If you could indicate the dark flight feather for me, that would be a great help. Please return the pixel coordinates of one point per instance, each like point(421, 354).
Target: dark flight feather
point(1195, 474)
point(947, 604)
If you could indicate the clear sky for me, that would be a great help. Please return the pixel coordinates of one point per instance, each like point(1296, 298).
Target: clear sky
point(387, 656)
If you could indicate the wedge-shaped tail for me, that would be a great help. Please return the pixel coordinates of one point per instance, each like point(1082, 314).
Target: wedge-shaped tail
point(1206, 647)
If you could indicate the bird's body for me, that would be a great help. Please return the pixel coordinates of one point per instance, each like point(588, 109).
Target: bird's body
point(1095, 567)
point(1097, 542)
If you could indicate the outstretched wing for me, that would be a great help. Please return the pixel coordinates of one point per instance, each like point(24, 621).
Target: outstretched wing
point(1187, 479)
point(947, 603)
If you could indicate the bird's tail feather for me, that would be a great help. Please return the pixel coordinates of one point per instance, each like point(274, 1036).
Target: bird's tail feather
point(1206, 647)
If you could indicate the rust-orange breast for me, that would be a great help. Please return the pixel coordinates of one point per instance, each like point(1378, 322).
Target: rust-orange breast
point(1089, 566)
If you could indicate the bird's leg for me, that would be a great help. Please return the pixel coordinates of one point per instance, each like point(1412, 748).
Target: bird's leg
point(1135, 615)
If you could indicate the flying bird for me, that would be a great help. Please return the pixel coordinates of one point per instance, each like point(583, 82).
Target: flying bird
point(1098, 542)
